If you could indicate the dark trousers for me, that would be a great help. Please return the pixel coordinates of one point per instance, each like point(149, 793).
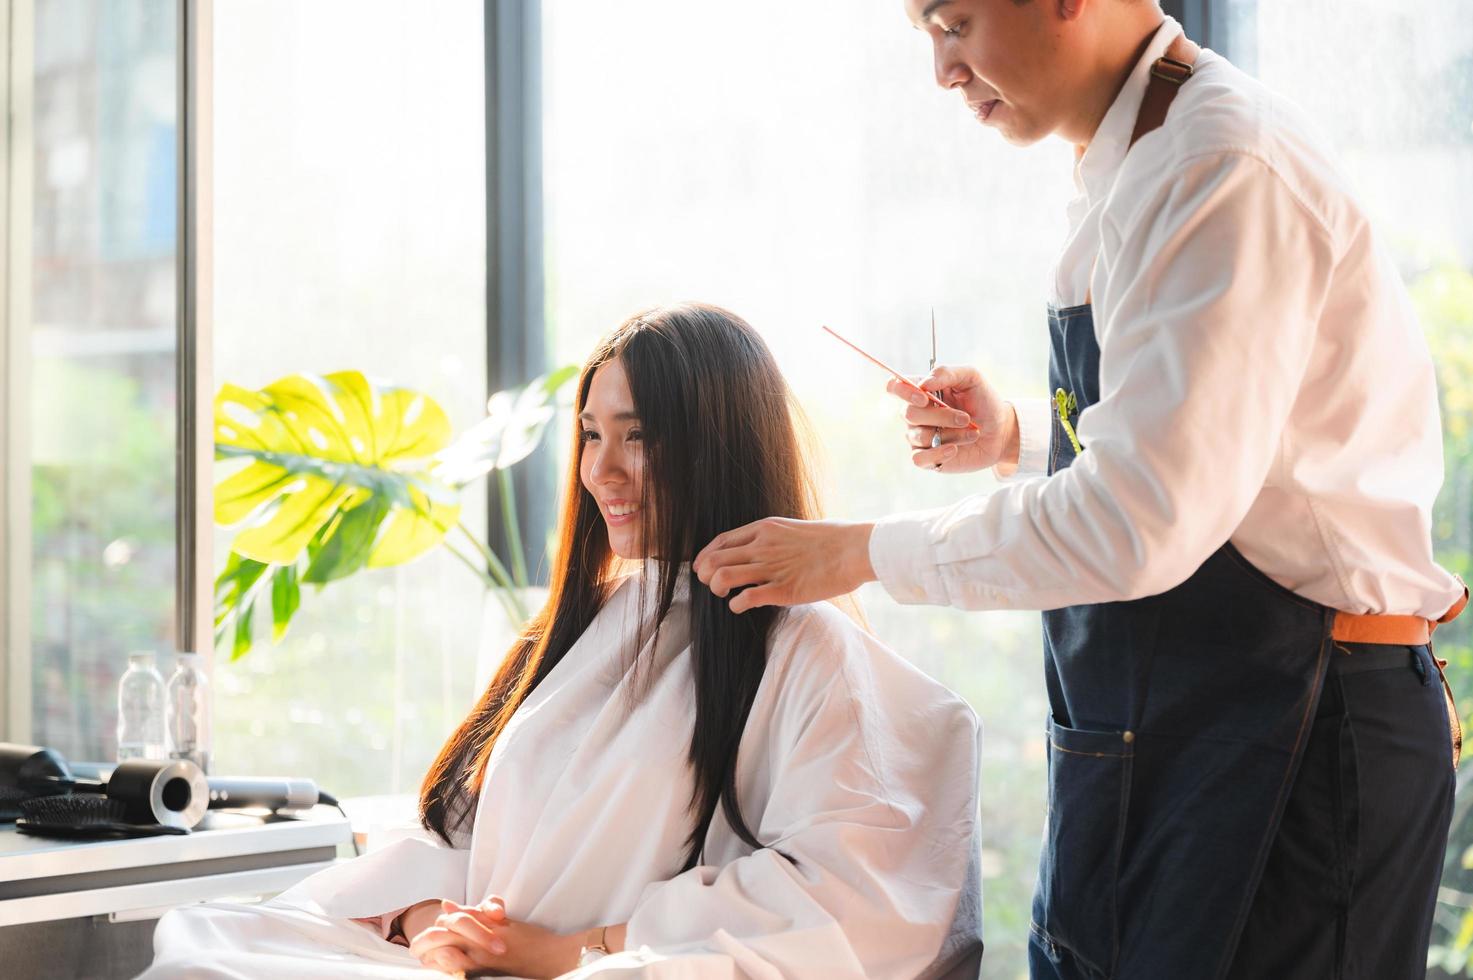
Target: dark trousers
point(1351, 882)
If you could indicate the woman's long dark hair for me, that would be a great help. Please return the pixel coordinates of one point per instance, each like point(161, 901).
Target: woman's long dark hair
point(722, 448)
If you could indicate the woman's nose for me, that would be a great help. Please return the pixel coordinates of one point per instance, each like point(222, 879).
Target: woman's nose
point(950, 71)
point(607, 468)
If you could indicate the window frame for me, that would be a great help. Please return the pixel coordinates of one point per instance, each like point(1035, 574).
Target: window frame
point(194, 352)
point(17, 22)
point(516, 300)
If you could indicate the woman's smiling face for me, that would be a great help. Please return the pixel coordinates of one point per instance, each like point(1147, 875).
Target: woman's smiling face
point(611, 465)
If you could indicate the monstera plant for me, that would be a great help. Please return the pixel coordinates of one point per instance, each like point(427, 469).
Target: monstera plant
point(343, 473)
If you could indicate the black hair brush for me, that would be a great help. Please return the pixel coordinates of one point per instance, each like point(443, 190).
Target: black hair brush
point(84, 817)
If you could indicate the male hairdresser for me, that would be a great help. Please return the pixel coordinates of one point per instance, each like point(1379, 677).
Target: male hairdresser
point(1223, 511)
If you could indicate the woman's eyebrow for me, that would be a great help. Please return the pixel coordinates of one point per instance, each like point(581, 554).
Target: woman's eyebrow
point(618, 417)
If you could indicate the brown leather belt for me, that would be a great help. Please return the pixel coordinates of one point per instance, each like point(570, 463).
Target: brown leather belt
point(1412, 631)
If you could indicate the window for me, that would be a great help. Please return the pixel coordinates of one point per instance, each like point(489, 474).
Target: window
point(90, 359)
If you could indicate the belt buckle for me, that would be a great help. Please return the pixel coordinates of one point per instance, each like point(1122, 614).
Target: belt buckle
point(1171, 70)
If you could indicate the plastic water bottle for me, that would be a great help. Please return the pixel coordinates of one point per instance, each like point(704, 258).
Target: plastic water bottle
point(141, 710)
point(188, 712)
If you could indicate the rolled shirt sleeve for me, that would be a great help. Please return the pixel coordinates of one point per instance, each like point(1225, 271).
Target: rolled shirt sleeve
point(1035, 424)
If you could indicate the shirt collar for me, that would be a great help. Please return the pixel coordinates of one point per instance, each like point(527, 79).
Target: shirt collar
point(1094, 171)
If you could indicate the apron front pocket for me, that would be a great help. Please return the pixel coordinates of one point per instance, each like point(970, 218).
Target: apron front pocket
point(1074, 912)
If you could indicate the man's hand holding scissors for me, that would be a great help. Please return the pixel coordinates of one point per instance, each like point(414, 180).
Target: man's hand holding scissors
point(784, 562)
point(971, 399)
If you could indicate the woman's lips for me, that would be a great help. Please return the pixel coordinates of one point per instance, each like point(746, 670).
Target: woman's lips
point(984, 109)
point(619, 520)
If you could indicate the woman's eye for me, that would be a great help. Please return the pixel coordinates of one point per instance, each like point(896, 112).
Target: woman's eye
point(955, 30)
point(588, 435)
point(634, 436)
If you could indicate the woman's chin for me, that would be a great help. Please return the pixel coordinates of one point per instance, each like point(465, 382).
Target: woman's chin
point(626, 542)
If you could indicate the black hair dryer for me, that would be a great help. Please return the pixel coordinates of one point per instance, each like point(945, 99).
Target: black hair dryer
point(170, 793)
point(30, 770)
point(276, 793)
point(27, 772)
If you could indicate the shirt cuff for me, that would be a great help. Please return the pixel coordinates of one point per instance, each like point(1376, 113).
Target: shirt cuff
point(901, 554)
point(1035, 428)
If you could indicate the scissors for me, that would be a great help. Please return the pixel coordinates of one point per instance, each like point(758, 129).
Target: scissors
point(936, 438)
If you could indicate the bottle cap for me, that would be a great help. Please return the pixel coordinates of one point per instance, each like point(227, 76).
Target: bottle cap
point(142, 658)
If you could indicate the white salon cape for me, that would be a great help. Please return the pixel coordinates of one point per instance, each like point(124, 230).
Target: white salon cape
point(854, 764)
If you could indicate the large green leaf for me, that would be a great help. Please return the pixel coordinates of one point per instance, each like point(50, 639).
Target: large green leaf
point(341, 474)
point(235, 585)
point(321, 446)
point(343, 545)
point(286, 596)
point(242, 632)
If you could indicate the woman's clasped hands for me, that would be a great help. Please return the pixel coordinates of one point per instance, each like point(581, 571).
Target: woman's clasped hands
point(481, 940)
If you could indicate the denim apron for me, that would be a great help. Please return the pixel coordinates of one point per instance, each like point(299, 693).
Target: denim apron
point(1177, 725)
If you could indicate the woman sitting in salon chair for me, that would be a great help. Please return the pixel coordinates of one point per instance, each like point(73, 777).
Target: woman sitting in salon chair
point(652, 785)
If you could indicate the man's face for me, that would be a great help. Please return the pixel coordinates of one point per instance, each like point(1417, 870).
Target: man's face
point(1002, 57)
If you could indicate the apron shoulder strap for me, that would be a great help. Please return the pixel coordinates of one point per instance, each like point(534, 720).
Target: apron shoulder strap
point(1168, 74)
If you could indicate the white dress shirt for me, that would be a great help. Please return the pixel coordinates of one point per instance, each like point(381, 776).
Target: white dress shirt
point(1263, 380)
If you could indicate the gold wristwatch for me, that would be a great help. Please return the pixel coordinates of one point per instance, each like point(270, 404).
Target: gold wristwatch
point(594, 949)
